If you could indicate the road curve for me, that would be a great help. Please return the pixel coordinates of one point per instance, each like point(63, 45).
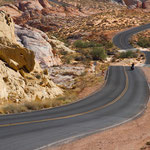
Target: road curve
point(123, 98)
point(121, 40)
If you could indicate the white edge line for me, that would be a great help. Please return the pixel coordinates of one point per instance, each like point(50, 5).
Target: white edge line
point(70, 139)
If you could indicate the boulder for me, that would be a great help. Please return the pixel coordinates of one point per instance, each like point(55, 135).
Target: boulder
point(27, 5)
point(11, 9)
point(45, 3)
point(37, 41)
point(14, 55)
point(60, 45)
point(17, 57)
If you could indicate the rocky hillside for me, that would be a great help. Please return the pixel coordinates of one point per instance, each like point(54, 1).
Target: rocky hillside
point(98, 3)
point(63, 38)
point(21, 78)
point(15, 56)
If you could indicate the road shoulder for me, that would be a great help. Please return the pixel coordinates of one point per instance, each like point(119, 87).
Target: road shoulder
point(132, 135)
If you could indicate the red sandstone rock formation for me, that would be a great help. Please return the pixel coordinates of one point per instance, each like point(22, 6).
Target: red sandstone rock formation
point(45, 4)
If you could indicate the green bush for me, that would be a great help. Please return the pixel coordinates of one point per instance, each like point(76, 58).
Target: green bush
point(94, 44)
point(98, 53)
point(107, 44)
point(144, 42)
point(79, 44)
point(128, 54)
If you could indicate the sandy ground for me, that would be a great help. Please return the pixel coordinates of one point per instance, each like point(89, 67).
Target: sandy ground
point(134, 135)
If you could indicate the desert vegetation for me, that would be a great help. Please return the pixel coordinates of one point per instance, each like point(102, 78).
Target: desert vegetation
point(128, 54)
point(143, 42)
point(141, 39)
point(76, 46)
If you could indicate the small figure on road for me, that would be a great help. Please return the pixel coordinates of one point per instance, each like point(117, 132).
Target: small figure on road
point(132, 66)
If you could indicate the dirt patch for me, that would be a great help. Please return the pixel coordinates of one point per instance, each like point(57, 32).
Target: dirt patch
point(134, 135)
point(90, 90)
point(147, 73)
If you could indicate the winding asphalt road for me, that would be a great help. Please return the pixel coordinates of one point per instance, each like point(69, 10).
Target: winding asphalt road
point(121, 40)
point(124, 97)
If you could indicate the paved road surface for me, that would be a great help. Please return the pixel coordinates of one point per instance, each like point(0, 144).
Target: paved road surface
point(123, 98)
point(121, 40)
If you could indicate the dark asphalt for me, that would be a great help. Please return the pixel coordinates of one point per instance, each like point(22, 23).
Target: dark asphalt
point(124, 97)
point(121, 40)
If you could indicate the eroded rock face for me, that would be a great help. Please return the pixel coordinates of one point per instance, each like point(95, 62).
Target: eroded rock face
point(145, 4)
point(45, 4)
point(130, 2)
point(37, 41)
point(30, 5)
point(7, 27)
point(14, 86)
point(11, 9)
point(16, 61)
point(15, 56)
point(40, 14)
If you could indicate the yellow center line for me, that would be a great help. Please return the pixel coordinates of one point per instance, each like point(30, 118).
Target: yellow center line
point(74, 115)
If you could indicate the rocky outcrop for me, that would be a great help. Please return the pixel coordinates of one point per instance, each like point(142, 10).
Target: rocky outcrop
point(27, 5)
point(45, 4)
point(38, 42)
point(136, 3)
point(20, 79)
point(40, 14)
point(60, 46)
point(15, 56)
point(130, 2)
point(37, 84)
point(12, 10)
point(7, 27)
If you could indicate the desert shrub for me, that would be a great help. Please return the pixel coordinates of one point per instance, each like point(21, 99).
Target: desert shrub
point(12, 108)
point(62, 52)
point(33, 105)
point(68, 60)
point(113, 59)
point(108, 44)
point(128, 54)
point(144, 42)
point(94, 44)
point(45, 71)
point(38, 76)
point(79, 44)
point(84, 55)
point(79, 58)
point(98, 53)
